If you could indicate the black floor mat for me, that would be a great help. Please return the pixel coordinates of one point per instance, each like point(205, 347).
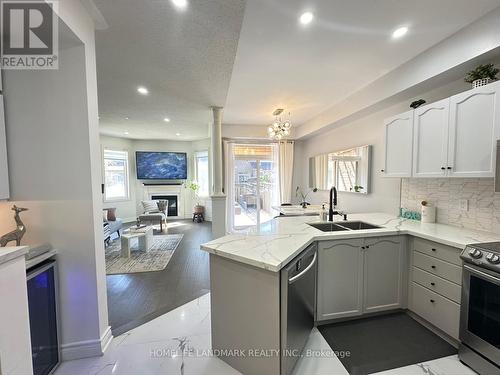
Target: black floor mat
point(384, 342)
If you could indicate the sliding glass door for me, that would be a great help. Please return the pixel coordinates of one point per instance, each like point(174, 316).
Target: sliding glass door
point(253, 186)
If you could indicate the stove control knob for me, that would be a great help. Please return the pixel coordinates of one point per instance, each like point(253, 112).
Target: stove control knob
point(475, 253)
point(493, 258)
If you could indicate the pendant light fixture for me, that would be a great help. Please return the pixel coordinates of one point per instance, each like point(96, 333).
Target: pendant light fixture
point(280, 128)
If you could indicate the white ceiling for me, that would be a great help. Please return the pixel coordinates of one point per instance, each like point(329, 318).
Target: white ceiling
point(184, 57)
point(280, 64)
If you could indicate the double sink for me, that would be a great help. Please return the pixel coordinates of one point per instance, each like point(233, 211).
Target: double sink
point(343, 225)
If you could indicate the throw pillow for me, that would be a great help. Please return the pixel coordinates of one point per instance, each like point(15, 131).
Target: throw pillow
point(150, 206)
point(162, 205)
point(111, 214)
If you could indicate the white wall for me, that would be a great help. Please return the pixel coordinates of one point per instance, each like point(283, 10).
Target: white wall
point(368, 130)
point(54, 163)
point(131, 208)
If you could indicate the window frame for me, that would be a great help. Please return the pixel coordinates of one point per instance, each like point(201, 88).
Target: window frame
point(126, 198)
point(199, 155)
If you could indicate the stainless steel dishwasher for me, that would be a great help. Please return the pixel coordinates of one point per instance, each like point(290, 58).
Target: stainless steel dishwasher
point(298, 305)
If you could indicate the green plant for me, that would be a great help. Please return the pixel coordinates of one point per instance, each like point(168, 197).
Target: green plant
point(193, 185)
point(482, 71)
point(357, 188)
point(303, 196)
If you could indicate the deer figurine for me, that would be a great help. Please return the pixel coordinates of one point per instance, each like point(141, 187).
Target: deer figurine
point(17, 233)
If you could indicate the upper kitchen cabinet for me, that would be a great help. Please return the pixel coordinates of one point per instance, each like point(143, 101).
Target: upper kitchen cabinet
point(430, 139)
point(398, 145)
point(474, 128)
point(4, 173)
point(454, 137)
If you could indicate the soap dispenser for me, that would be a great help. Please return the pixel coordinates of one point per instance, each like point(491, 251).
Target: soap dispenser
point(324, 213)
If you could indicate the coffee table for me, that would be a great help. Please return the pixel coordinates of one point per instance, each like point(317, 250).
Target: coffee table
point(144, 235)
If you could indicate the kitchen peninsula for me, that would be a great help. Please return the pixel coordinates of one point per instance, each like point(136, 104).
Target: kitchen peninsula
point(249, 308)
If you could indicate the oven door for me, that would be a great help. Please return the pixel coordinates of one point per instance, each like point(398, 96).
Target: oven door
point(480, 311)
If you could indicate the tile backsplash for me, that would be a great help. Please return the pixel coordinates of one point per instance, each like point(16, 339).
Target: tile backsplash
point(445, 193)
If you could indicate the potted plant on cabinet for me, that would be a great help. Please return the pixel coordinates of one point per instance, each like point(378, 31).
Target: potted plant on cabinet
point(482, 75)
point(198, 209)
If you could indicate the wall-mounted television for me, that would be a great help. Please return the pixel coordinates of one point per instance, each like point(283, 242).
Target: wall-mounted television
point(161, 165)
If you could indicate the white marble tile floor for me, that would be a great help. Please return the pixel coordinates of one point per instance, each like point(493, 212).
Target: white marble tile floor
point(178, 342)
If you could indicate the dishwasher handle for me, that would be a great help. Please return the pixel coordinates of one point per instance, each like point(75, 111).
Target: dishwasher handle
point(296, 277)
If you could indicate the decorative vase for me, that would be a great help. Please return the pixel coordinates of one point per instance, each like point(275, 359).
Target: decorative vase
point(481, 82)
point(304, 204)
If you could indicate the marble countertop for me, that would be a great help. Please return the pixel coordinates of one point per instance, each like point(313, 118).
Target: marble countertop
point(9, 253)
point(275, 243)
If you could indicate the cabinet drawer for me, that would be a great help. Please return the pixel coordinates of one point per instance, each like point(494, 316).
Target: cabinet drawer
point(437, 284)
point(437, 310)
point(443, 252)
point(438, 267)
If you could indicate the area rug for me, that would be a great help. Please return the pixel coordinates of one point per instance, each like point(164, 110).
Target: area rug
point(156, 259)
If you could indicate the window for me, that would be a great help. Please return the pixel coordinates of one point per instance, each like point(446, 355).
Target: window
point(115, 175)
point(201, 168)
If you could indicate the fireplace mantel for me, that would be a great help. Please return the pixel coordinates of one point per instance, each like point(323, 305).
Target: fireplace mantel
point(177, 190)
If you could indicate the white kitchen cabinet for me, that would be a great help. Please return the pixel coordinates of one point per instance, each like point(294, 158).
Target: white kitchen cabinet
point(359, 276)
point(474, 129)
point(4, 173)
point(340, 279)
point(454, 137)
point(383, 273)
point(430, 139)
point(398, 145)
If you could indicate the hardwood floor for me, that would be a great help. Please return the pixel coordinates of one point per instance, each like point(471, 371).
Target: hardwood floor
point(134, 299)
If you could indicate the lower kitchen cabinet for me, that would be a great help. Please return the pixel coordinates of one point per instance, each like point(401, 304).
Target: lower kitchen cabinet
point(340, 279)
point(360, 276)
point(383, 273)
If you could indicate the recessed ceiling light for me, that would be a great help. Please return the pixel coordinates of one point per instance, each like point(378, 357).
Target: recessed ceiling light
point(400, 32)
point(127, 118)
point(142, 90)
point(306, 18)
point(166, 119)
point(180, 3)
point(177, 134)
point(125, 132)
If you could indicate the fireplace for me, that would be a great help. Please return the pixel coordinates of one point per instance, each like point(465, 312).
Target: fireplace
point(172, 203)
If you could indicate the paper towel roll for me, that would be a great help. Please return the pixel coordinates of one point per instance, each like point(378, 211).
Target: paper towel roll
point(428, 214)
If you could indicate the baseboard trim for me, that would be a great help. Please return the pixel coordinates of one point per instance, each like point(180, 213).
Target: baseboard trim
point(88, 348)
point(106, 339)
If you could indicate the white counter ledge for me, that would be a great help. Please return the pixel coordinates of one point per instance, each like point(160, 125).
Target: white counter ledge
point(9, 253)
point(274, 244)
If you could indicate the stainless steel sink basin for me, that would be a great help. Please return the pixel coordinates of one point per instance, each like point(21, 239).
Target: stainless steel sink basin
point(343, 225)
point(327, 227)
point(357, 225)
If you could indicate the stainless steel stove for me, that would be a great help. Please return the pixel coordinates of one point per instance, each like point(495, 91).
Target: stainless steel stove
point(480, 309)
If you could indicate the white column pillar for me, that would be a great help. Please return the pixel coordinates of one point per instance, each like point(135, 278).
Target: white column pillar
point(218, 196)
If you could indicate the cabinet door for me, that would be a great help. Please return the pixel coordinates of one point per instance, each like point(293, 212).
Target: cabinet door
point(430, 139)
point(474, 124)
point(383, 270)
point(398, 145)
point(4, 175)
point(340, 279)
